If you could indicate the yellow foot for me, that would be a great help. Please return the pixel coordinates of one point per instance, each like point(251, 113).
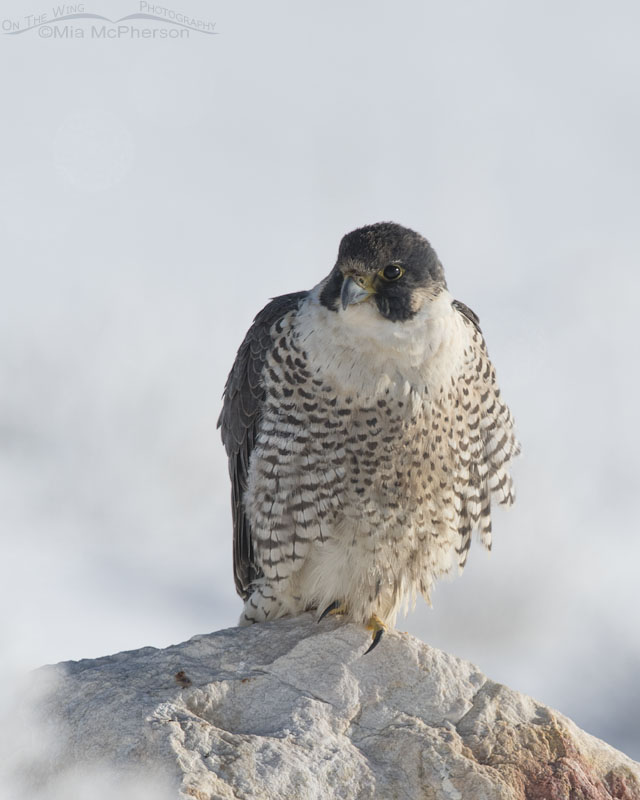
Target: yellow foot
point(335, 608)
point(378, 627)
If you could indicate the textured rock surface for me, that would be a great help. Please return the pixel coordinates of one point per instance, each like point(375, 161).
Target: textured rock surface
point(292, 709)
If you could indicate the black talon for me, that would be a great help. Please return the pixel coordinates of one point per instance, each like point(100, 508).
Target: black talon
point(329, 609)
point(376, 639)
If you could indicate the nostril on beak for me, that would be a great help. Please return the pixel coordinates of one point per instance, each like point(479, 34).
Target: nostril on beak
point(353, 291)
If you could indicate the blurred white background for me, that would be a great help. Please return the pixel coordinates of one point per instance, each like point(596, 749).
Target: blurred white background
point(156, 193)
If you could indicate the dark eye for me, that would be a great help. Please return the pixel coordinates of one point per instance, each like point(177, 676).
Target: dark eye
point(392, 272)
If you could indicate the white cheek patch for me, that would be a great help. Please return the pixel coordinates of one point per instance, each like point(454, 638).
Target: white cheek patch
point(362, 352)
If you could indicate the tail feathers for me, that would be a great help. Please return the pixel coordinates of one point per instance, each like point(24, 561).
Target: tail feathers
point(261, 605)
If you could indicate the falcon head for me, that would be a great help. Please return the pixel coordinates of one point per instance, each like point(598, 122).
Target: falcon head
point(387, 265)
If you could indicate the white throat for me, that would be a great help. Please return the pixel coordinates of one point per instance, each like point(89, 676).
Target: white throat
point(358, 351)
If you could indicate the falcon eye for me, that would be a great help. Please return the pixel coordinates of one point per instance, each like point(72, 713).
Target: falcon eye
point(392, 272)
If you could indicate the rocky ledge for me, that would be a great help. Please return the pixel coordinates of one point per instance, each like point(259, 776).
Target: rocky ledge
point(292, 709)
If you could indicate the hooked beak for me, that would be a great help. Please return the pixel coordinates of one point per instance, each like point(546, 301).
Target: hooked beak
point(355, 290)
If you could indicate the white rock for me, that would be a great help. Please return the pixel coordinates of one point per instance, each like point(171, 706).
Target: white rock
point(293, 709)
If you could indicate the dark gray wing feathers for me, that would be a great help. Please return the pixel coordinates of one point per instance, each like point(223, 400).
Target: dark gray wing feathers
point(243, 398)
point(467, 312)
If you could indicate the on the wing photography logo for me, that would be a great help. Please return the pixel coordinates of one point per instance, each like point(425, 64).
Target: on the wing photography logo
point(73, 21)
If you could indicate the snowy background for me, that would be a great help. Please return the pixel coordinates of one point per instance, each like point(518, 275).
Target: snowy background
point(156, 193)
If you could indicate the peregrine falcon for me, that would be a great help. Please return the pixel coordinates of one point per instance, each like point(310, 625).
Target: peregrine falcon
point(366, 437)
